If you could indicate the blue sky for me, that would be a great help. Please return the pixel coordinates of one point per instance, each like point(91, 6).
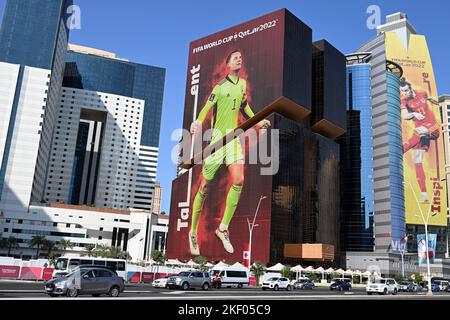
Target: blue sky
point(158, 33)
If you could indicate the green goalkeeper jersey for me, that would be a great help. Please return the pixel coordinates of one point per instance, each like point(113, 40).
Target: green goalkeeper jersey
point(228, 98)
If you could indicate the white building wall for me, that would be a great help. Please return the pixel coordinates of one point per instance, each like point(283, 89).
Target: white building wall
point(119, 151)
point(23, 153)
point(146, 177)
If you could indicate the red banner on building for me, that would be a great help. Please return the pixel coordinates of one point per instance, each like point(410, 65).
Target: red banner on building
point(11, 272)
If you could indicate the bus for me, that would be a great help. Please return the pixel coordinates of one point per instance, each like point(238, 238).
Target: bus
point(66, 264)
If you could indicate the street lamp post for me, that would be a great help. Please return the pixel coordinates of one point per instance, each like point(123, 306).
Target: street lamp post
point(425, 222)
point(250, 229)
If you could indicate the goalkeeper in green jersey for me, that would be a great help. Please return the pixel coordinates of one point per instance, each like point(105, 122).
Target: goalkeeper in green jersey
point(228, 99)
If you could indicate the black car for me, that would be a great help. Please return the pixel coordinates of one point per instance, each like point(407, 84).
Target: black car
point(304, 284)
point(341, 285)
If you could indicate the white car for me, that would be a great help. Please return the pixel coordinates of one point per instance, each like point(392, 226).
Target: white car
point(276, 284)
point(382, 286)
point(160, 283)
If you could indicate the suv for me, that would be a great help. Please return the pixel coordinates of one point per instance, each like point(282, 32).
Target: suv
point(276, 283)
point(341, 285)
point(84, 280)
point(382, 286)
point(304, 284)
point(190, 279)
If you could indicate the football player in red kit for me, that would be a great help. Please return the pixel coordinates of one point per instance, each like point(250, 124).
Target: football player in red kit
point(415, 107)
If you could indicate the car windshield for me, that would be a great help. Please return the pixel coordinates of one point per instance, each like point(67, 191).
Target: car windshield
point(77, 270)
point(404, 282)
point(184, 274)
point(379, 281)
point(273, 279)
point(61, 264)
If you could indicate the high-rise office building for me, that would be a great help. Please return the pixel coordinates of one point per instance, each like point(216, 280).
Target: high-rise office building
point(33, 43)
point(295, 199)
point(357, 201)
point(444, 101)
point(103, 72)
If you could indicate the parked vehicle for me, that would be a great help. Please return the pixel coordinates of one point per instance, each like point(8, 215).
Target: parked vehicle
point(276, 284)
point(414, 287)
point(404, 286)
point(232, 277)
point(160, 283)
point(341, 285)
point(86, 280)
point(443, 284)
point(434, 287)
point(382, 286)
point(304, 284)
point(190, 279)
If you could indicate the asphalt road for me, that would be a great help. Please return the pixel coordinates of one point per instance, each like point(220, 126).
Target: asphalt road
point(35, 290)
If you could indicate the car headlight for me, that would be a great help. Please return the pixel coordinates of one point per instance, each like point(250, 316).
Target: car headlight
point(177, 280)
point(61, 284)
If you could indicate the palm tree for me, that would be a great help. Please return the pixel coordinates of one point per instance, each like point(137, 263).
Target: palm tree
point(49, 246)
point(12, 243)
point(37, 241)
point(258, 270)
point(90, 249)
point(64, 244)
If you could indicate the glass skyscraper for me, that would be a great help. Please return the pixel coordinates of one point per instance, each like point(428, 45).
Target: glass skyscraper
point(115, 76)
point(356, 159)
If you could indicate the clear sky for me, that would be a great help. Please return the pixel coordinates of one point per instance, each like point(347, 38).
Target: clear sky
point(158, 33)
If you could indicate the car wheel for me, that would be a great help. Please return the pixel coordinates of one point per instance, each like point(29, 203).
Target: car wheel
point(114, 291)
point(73, 292)
point(53, 295)
point(264, 289)
point(289, 288)
point(96, 295)
point(205, 286)
point(185, 286)
point(240, 286)
point(385, 292)
point(275, 288)
point(341, 289)
point(369, 293)
point(395, 292)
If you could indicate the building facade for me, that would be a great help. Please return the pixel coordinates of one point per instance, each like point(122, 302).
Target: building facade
point(356, 166)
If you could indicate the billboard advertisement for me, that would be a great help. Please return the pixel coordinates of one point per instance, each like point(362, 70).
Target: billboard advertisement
point(232, 75)
point(423, 149)
point(422, 248)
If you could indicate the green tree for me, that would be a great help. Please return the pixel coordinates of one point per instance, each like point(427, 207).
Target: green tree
point(286, 272)
point(38, 242)
point(202, 262)
point(89, 249)
point(356, 279)
point(313, 277)
point(12, 244)
point(52, 259)
point(258, 270)
point(64, 244)
point(417, 277)
point(49, 246)
point(101, 251)
point(399, 278)
point(159, 258)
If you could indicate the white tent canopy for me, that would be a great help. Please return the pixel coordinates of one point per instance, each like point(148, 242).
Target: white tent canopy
point(174, 262)
point(220, 265)
point(367, 274)
point(329, 270)
point(192, 263)
point(237, 265)
point(297, 268)
point(276, 268)
point(319, 270)
point(209, 265)
point(309, 269)
point(340, 271)
point(348, 272)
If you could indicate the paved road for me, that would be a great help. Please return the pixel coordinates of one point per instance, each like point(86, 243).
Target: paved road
point(34, 290)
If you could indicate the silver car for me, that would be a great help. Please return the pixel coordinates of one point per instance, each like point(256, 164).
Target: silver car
point(93, 280)
point(190, 279)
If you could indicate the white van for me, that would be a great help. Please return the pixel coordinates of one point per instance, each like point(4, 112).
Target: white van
point(232, 277)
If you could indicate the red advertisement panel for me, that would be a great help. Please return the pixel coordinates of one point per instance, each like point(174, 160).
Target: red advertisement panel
point(232, 75)
point(47, 274)
point(30, 273)
point(11, 272)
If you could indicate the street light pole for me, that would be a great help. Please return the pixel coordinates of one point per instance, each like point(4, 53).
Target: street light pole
point(425, 222)
point(250, 229)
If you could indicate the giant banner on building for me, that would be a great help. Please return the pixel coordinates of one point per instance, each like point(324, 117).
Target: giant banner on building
point(423, 150)
point(232, 75)
point(423, 253)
